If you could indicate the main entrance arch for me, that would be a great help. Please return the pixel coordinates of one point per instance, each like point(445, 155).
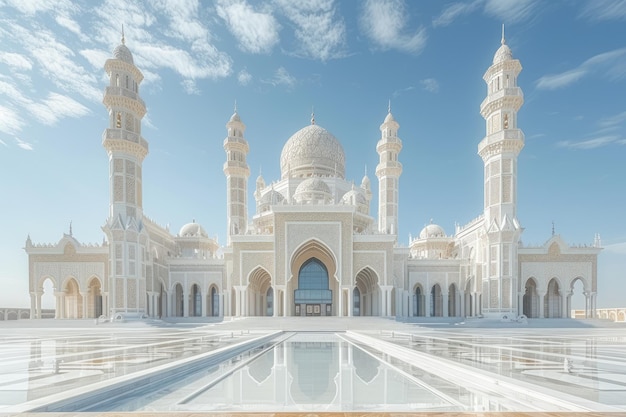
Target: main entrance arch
point(313, 286)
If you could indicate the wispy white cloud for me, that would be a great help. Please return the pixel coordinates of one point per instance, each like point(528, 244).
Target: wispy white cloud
point(185, 46)
point(16, 61)
point(244, 77)
point(611, 131)
point(96, 57)
point(31, 7)
point(454, 11)
point(384, 22)
point(256, 31)
point(318, 26)
point(589, 143)
point(56, 107)
point(190, 87)
point(613, 121)
point(610, 64)
point(24, 145)
point(430, 84)
point(282, 77)
point(507, 11)
point(3, 143)
point(401, 91)
point(601, 10)
point(510, 11)
point(10, 121)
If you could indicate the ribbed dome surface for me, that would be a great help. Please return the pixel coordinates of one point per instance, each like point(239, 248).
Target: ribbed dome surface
point(122, 53)
point(312, 151)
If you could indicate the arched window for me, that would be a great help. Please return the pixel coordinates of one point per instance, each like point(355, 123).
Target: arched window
point(313, 284)
point(269, 296)
point(215, 302)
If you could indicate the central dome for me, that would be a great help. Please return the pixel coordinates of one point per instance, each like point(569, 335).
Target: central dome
point(312, 151)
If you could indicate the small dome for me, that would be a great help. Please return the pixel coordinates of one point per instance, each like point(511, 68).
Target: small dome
point(192, 230)
point(389, 118)
point(365, 182)
point(312, 151)
point(312, 189)
point(502, 54)
point(353, 197)
point(235, 118)
point(122, 53)
point(432, 230)
point(272, 197)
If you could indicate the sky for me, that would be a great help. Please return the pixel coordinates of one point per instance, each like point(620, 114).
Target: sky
point(279, 60)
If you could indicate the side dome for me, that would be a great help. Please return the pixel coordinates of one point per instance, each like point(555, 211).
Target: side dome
point(192, 230)
point(432, 230)
point(312, 151)
point(122, 53)
point(272, 197)
point(312, 189)
point(354, 198)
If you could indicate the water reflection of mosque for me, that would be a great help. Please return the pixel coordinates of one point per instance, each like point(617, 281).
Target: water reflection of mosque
point(320, 372)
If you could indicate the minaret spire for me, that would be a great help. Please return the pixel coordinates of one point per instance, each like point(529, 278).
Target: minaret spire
point(389, 107)
point(503, 41)
point(123, 38)
point(312, 115)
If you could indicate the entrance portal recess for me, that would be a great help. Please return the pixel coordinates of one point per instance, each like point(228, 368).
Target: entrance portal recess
point(313, 296)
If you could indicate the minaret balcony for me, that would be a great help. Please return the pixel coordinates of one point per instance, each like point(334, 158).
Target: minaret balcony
point(124, 135)
point(124, 92)
point(511, 96)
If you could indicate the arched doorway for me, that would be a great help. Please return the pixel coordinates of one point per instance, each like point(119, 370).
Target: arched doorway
point(269, 301)
point(552, 300)
point(577, 299)
point(418, 302)
point(179, 302)
point(530, 301)
point(213, 302)
point(367, 283)
point(313, 265)
point(469, 299)
point(356, 302)
point(162, 301)
point(195, 302)
point(73, 300)
point(94, 298)
point(436, 301)
point(313, 296)
point(452, 301)
point(259, 282)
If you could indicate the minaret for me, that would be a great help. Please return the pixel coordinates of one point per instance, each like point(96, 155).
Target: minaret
point(499, 150)
point(237, 172)
point(126, 149)
point(388, 172)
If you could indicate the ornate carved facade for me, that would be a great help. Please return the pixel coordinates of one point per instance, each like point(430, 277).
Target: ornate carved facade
point(312, 247)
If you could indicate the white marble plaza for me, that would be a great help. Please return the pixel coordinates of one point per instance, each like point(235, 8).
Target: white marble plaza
point(312, 364)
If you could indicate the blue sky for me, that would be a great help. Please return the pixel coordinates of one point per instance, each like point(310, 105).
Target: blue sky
point(279, 59)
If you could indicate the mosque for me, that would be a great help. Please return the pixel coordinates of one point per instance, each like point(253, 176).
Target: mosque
point(312, 246)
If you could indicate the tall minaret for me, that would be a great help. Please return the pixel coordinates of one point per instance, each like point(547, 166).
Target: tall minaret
point(499, 150)
point(126, 149)
point(237, 172)
point(388, 172)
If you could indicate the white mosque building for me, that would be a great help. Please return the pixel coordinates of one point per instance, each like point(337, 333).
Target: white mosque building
point(312, 245)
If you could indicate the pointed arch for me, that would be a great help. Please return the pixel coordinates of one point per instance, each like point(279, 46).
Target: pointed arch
point(306, 252)
point(73, 306)
point(436, 301)
point(453, 301)
point(195, 301)
point(94, 297)
point(419, 301)
point(552, 299)
point(179, 301)
point(213, 301)
point(530, 300)
point(259, 280)
point(366, 280)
